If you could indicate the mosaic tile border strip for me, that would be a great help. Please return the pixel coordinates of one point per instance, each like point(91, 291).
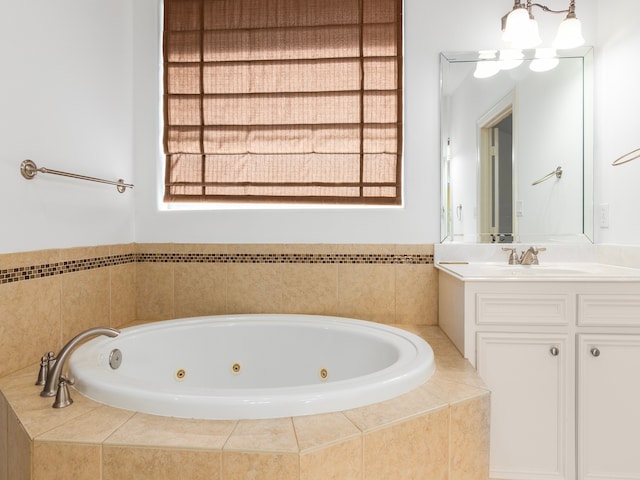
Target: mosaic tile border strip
point(329, 258)
point(31, 272)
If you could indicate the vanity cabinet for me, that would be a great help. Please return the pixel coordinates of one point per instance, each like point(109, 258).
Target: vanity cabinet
point(562, 360)
point(609, 407)
point(529, 378)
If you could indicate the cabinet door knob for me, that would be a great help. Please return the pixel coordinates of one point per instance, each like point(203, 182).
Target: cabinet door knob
point(595, 351)
point(554, 351)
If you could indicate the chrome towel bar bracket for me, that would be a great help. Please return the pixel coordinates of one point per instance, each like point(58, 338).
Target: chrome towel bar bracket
point(29, 169)
point(556, 173)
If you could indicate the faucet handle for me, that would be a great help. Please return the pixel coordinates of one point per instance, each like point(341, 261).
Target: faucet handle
point(63, 398)
point(513, 256)
point(46, 362)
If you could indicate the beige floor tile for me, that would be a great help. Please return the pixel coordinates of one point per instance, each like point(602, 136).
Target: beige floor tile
point(91, 427)
point(317, 431)
point(157, 431)
point(270, 435)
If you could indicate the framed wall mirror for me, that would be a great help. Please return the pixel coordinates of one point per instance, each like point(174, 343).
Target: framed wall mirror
point(516, 143)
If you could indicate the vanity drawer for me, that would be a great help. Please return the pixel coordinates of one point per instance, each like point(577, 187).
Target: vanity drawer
point(621, 310)
point(523, 309)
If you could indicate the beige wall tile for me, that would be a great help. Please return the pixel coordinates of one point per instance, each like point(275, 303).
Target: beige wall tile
point(27, 259)
point(80, 253)
point(416, 294)
point(310, 288)
point(30, 322)
point(19, 451)
point(367, 292)
point(154, 247)
point(159, 464)
point(254, 288)
point(262, 466)
point(154, 291)
point(4, 412)
point(200, 289)
point(64, 461)
point(413, 450)
point(470, 439)
point(342, 461)
point(123, 294)
point(200, 248)
point(85, 301)
point(122, 249)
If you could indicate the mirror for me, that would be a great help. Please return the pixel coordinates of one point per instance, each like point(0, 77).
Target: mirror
point(517, 159)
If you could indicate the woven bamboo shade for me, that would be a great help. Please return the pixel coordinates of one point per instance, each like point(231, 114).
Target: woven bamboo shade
point(283, 101)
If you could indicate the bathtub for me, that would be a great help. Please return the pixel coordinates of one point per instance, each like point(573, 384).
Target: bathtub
point(251, 366)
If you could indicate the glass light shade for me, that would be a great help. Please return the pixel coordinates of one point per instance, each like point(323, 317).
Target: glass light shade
point(569, 34)
point(517, 21)
point(544, 60)
point(486, 69)
point(521, 31)
point(510, 58)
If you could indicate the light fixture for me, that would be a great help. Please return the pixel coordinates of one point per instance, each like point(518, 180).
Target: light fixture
point(487, 66)
point(510, 58)
point(544, 60)
point(520, 29)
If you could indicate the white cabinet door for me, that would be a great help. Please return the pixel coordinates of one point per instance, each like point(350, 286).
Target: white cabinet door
point(609, 407)
point(531, 385)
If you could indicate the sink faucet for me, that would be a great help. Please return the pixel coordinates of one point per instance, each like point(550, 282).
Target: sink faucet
point(530, 257)
point(55, 383)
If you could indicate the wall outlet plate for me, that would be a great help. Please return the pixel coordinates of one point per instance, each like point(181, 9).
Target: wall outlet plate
point(603, 215)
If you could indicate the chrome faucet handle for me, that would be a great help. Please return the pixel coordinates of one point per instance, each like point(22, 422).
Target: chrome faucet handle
point(535, 251)
point(513, 256)
point(63, 398)
point(46, 362)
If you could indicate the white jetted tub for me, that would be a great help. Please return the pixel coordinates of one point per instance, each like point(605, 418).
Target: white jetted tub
point(251, 366)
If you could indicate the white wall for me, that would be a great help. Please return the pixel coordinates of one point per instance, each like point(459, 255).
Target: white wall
point(617, 116)
point(79, 92)
point(65, 103)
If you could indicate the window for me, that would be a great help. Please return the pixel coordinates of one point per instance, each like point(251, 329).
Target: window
point(295, 101)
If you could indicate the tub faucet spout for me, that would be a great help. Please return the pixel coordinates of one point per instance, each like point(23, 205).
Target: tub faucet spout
point(54, 375)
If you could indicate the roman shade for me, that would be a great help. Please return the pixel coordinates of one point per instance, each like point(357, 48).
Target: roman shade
point(295, 101)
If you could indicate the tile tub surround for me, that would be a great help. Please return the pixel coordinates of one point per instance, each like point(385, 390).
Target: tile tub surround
point(46, 297)
point(438, 431)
